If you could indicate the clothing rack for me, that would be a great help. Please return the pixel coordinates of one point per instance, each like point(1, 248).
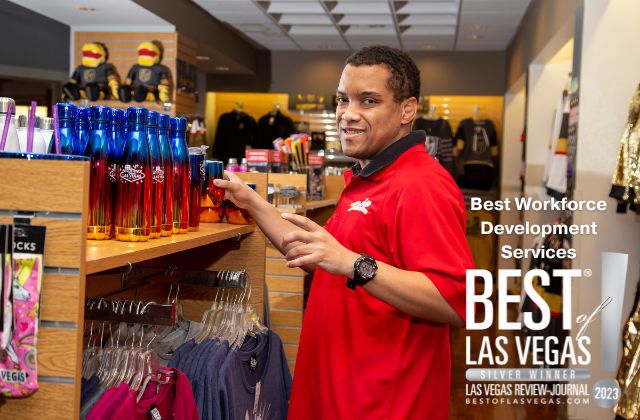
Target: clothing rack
point(149, 313)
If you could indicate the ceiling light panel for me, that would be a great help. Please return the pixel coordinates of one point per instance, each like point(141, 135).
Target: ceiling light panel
point(497, 20)
point(440, 7)
point(313, 30)
point(495, 5)
point(295, 7)
point(366, 20)
point(296, 19)
point(433, 19)
point(359, 41)
point(369, 7)
point(430, 30)
point(321, 43)
point(226, 5)
point(240, 18)
point(371, 30)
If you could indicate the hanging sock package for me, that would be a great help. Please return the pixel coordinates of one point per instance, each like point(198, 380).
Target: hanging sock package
point(18, 364)
point(6, 314)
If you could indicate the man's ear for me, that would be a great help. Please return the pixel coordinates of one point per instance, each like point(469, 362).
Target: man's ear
point(409, 110)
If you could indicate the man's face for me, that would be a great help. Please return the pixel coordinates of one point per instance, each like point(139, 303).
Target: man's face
point(368, 117)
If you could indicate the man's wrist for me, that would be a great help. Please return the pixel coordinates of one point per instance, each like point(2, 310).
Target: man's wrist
point(350, 262)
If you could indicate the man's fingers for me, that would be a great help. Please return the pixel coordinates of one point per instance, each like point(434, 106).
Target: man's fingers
point(302, 222)
point(298, 251)
point(296, 236)
point(232, 177)
point(303, 261)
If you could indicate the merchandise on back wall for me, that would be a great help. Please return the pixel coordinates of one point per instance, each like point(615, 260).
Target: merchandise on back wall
point(477, 153)
point(148, 79)
point(95, 78)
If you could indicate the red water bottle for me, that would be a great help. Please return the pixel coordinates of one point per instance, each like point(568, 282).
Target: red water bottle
point(100, 200)
point(167, 160)
point(157, 174)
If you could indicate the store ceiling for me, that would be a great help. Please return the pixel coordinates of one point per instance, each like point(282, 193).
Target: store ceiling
point(106, 14)
point(414, 25)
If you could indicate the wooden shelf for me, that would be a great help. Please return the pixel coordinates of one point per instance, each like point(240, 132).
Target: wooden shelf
point(318, 204)
point(105, 255)
point(299, 210)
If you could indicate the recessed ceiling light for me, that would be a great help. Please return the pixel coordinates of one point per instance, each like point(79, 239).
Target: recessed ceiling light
point(478, 27)
point(222, 68)
point(323, 46)
point(203, 57)
point(474, 37)
point(87, 9)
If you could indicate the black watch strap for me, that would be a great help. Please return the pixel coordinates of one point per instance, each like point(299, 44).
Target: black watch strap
point(364, 270)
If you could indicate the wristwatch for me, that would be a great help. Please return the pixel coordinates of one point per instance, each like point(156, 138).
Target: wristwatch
point(364, 270)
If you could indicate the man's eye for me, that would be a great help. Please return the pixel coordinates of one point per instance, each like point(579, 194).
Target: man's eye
point(369, 101)
point(342, 100)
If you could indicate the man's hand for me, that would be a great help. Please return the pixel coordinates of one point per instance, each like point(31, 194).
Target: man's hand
point(236, 190)
point(314, 246)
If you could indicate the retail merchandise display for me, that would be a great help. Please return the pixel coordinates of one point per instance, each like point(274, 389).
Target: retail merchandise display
point(95, 78)
point(626, 177)
point(21, 251)
point(157, 175)
point(477, 153)
point(148, 79)
point(235, 131)
point(166, 226)
point(9, 141)
point(197, 170)
point(272, 126)
point(555, 170)
point(439, 139)
point(181, 175)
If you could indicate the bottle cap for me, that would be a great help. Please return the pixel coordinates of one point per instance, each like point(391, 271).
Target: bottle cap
point(66, 111)
point(100, 113)
point(22, 121)
point(163, 121)
point(232, 161)
point(46, 123)
point(153, 118)
point(118, 116)
point(178, 124)
point(137, 114)
point(4, 105)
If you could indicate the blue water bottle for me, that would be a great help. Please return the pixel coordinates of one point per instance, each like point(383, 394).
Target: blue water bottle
point(66, 130)
point(100, 199)
point(82, 129)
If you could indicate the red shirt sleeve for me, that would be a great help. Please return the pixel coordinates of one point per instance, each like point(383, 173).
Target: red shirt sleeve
point(428, 235)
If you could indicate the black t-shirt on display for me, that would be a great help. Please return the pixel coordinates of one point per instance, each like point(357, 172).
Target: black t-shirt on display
point(272, 126)
point(439, 130)
point(235, 131)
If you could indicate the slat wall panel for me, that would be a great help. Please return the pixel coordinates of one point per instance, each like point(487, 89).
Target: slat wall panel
point(59, 348)
point(284, 284)
point(334, 184)
point(457, 108)
point(286, 300)
point(57, 352)
point(272, 252)
point(287, 318)
point(291, 352)
point(59, 298)
point(288, 335)
point(62, 248)
point(278, 267)
point(31, 186)
point(52, 401)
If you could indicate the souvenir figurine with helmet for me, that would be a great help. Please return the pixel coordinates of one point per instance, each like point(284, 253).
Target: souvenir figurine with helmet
point(148, 80)
point(95, 78)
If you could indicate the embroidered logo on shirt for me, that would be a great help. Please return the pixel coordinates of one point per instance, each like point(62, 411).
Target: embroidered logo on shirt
point(361, 205)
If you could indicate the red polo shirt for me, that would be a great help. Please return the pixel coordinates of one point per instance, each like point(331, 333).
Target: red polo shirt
point(360, 358)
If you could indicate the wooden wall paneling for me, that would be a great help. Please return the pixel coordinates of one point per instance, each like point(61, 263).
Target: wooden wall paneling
point(286, 318)
point(286, 300)
point(285, 283)
point(61, 208)
point(457, 108)
point(288, 335)
point(333, 184)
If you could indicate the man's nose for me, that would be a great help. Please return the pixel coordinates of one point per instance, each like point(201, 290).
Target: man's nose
point(351, 113)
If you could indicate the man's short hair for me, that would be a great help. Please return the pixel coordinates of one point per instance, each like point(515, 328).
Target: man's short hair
point(405, 76)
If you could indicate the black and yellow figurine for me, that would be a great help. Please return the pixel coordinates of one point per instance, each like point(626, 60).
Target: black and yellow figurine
point(95, 78)
point(148, 80)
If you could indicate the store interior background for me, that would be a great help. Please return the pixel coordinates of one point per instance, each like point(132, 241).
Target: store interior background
point(519, 63)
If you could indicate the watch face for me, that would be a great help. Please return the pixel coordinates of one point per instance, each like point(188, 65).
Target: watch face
point(366, 269)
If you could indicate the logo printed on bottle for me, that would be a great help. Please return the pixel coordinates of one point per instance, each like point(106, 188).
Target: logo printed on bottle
point(131, 173)
point(158, 174)
point(113, 172)
point(202, 170)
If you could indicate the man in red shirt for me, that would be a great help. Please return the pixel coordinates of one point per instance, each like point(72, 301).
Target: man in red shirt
point(389, 265)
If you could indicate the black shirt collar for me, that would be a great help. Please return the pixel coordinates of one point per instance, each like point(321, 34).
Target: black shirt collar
point(390, 154)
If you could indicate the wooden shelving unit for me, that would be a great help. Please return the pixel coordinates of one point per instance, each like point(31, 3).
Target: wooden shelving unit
point(55, 194)
point(105, 255)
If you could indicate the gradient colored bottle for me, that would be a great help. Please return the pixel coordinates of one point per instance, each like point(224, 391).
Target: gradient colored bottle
point(236, 215)
point(82, 129)
point(214, 171)
point(167, 161)
point(157, 173)
point(197, 169)
point(133, 215)
point(209, 211)
point(100, 199)
point(181, 174)
point(116, 147)
point(69, 144)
